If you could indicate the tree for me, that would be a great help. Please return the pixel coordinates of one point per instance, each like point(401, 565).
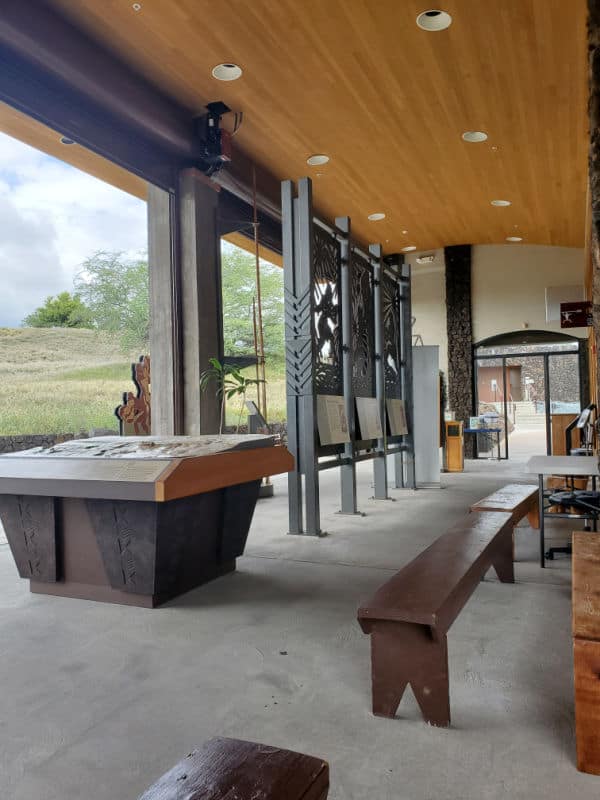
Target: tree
point(63, 311)
point(115, 289)
point(238, 278)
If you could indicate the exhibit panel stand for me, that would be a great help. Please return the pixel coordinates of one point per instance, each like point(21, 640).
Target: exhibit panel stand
point(118, 520)
point(426, 415)
point(348, 359)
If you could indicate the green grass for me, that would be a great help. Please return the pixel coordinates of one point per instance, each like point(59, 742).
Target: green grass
point(60, 380)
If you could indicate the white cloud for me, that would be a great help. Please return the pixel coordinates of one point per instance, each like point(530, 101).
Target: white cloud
point(52, 217)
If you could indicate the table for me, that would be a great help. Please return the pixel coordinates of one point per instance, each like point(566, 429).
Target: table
point(133, 520)
point(570, 466)
point(497, 431)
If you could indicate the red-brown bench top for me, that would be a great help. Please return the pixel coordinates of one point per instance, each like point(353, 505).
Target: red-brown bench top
point(432, 589)
point(224, 769)
point(517, 498)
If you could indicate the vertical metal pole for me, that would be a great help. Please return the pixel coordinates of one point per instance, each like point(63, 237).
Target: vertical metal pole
point(380, 462)
point(547, 404)
point(405, 462)
point(293, 355)
point(505, 404)
point(542, 520)
point(347, 471)
point(309, 463)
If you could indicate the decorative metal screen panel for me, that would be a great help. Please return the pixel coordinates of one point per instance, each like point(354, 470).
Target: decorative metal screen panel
point(392, 335)
point(363, 327)
point(327, 310)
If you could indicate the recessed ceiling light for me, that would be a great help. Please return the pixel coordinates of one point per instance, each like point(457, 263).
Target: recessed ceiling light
point(494, 147)
point(474, 136)
point(409, 248)
point(501, 203)
point(136, 6)
point(405, 232)
point(376, 217)
point(227, 72)
point(514, 238)
point(434, 20)
point(317, 160)
point(66, 140)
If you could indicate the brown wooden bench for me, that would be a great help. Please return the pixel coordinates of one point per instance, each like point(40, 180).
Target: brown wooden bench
point(518, 499)
point(408, 617)
point(223, 769)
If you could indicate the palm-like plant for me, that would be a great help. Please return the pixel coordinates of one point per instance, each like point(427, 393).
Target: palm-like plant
point(229, 382)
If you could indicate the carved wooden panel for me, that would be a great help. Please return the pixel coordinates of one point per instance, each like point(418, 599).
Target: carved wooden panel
point(126, 536)
point(30, 526)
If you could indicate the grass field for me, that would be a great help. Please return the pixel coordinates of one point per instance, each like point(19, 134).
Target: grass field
point(61, 380)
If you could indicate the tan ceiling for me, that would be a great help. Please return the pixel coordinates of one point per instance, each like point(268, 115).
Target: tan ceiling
point(358, 80)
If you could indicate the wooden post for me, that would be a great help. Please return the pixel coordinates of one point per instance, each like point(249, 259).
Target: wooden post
point(594, 176)
point(165, 331)
point(184, 258)
point(201, 304)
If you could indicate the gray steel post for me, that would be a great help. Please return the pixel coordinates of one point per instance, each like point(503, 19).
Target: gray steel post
point(293, 355)
point(309, 463)
point(347, 471)
point(380, 462)
point(405, 461)
point(407, 376)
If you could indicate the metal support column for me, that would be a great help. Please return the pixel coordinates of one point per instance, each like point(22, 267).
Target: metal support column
point(292, 347)
point(299, 333)
point(347, 470)
point(380, 462)
point(405, 461)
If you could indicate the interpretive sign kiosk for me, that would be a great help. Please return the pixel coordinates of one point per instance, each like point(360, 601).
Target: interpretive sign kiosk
point(138, 520)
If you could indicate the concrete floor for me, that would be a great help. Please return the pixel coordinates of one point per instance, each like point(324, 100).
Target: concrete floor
point(97, 700)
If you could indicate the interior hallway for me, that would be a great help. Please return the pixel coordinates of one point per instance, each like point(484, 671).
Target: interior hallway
point(100, 700)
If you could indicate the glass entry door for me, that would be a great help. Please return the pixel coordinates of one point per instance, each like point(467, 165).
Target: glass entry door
point(528, 387)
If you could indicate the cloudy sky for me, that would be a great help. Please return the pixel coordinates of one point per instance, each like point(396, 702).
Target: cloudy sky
point(52, 216)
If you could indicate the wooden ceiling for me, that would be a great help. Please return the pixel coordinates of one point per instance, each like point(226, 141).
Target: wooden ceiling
point(388, 102)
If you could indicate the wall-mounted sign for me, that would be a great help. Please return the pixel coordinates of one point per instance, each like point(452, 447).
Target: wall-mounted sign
point(369, 418)
point(576, 315)
point(331, 419)
point(397, 417)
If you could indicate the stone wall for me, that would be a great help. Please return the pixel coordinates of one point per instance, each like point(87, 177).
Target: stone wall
point(12, 444)
point(460, 335)
point(26, 441)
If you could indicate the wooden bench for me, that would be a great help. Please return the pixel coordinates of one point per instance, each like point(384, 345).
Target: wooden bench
point(408, 617)
point(223, 769)
point(518, 499)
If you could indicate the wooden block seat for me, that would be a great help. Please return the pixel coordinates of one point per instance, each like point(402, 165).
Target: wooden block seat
point(230, 769)
point(409, 616)
point(586, 649)
point(518, 499)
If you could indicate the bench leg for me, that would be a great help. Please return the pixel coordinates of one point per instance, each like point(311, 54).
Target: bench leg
point(533, 517)
point(403, 654)
point(503, 561)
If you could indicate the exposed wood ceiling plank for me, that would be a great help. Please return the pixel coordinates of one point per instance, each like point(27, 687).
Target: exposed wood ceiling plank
point(388, 102)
